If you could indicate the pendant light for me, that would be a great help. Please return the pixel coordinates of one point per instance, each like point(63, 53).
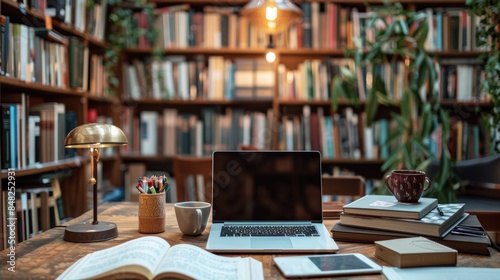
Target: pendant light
point(271, 16)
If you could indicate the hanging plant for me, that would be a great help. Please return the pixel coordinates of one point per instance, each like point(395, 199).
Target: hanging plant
point(122, 34)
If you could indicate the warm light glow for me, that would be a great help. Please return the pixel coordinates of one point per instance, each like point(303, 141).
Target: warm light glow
point(271, 16)
point(271, 13)
point(270, 56)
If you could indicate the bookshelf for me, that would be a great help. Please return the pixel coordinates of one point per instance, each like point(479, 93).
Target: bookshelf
point(233, 115)
point(293, 56)
point(51, 61)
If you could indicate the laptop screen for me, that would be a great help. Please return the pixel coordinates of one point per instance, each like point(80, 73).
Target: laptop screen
point(266, 186)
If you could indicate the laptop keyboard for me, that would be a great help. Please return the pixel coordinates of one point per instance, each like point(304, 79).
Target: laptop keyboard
point(241, 230)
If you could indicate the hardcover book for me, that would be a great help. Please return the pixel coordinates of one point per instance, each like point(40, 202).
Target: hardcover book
point(388, 206)
point(151, 257)
point(436, 223)
point(462, 243)
point(415, 252)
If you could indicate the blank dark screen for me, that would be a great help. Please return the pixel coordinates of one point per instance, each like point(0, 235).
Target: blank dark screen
point(327, 263)
point(267, 186)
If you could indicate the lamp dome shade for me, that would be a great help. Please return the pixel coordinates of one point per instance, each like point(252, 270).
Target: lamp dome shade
point(95, 135)
point(271, 16)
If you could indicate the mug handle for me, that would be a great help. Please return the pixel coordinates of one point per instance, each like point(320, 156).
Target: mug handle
point(429, 182)
point(198, 221)
point(387, 184)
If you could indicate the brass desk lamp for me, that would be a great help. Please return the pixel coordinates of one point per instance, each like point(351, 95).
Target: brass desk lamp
point(94, 136)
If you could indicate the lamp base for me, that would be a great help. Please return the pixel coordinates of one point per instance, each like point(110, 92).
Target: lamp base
point(87, 232)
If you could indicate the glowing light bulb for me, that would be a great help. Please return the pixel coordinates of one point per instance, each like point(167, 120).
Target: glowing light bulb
point(270, 56)
point(271, 13)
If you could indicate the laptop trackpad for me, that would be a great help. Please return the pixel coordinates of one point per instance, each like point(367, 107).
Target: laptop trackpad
point(271, 243)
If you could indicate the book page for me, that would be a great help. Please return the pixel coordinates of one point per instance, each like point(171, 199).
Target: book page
point(197, 263)
point(144, 251)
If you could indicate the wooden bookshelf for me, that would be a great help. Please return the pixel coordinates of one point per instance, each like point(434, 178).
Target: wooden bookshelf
point(293, 58)
point(26, 86)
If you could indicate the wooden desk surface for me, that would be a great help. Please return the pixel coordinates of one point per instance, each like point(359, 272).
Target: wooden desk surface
point(48, 255)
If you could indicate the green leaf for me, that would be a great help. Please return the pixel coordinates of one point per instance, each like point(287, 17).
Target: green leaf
point(390, 29)
point(336, 92)
point(392, 161)
point(426, 120)
point(424, 165)
point(419, 59)
point(371, 107)
point(404, 26)
point(384, 99)
point(407, 158)
point(421, 33)
point(420, 145)
point(406, 109)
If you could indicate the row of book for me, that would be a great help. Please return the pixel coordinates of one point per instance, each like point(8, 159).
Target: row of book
point(321, 26)
point(34, 134)
point(38, 207)
point(467, 140)
point(341, 135)
point(44, 56)
point(76, 13)
point(41, 55)
point(222, 26)
point(458, 79)
point(171, 132)
point(462, 82)
point(217, 78)
point(312, 80)
point(449, 29)
point(335, 136)
point(381, 217)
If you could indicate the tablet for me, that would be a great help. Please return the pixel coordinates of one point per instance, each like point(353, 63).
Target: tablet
point(324, 265)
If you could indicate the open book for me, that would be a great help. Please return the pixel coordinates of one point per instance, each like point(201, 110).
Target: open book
point(151, 257)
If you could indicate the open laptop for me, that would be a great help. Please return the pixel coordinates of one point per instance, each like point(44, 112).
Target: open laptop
point(268, 201)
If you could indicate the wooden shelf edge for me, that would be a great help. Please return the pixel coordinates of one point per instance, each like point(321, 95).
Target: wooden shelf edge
point(37, 87)
point(199, 102)
point(45, 167)
point(130, 157)
point(352, 161)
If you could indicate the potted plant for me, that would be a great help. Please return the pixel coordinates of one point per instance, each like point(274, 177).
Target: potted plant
point(399, 35)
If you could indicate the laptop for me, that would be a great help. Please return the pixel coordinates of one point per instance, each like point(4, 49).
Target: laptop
point(268, 201)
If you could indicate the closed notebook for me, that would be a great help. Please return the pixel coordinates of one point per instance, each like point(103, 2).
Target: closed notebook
point(388, 206)
point(461, 243)
point(435, 223)
point(415, 252)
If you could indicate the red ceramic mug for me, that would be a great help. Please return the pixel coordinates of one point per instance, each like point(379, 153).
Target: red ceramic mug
point(407, 185)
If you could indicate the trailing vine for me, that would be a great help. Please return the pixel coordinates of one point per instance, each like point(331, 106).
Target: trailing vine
point(122, 34)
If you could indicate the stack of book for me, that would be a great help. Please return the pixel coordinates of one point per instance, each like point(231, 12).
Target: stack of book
point(381, 217)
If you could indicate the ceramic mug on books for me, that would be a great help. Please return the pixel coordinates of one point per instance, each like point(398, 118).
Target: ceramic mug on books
point(192, 216)
point(407, 185)
point(152, 212)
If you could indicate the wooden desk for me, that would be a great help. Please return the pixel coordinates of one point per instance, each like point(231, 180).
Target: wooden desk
point(48, 255)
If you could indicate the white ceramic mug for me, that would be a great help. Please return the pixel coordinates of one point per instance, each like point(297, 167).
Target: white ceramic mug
point(192, 216)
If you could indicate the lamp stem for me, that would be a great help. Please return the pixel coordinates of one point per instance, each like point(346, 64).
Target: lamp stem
point(94, 154)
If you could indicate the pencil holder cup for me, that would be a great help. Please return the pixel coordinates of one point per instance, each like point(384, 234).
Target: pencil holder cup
point(152, 213)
